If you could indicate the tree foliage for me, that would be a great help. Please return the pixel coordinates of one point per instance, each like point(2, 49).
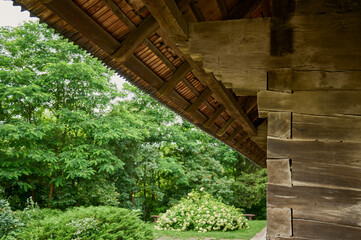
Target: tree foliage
point(69, 138)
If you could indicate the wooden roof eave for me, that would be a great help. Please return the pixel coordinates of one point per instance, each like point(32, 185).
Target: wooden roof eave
point(89, 28)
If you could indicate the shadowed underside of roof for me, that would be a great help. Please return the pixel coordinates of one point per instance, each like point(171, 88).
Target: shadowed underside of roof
point(125, 36)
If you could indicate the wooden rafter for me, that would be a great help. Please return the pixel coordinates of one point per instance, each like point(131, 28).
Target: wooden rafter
point(196, 11)
point(195, 105)
point(175, 20)
point(234, 134)
point(218, 112)
point(224, 128)
point(181, 72)
point(135, 39)
point(222, 7)
point(169, 18)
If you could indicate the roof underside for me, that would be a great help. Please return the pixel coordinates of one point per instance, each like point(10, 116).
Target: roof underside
point(108, 29)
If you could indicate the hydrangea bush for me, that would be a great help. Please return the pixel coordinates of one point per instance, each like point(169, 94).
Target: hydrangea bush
point(201, 212)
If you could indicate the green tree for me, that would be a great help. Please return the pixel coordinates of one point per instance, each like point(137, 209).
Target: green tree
point(58, 129)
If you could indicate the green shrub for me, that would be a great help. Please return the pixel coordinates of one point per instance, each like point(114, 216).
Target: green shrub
point(87, 223)
point(8, 221)
point(201, 212)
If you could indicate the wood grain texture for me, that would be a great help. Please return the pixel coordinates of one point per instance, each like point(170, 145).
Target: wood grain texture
point(279, 124)
point(279, 172)
point(338, 176)
point(280, 79)
point(321, 6)
point(318, 203)
point(169, 17)
point(228, 49)
point(224, 128)
point(198, 102)
point(315, 151)
point(279, 222)
point(324, 230)
point(311, 102)
point(334, 128)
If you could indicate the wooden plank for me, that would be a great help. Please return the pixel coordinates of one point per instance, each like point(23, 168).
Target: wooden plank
point(119, 13)
point(324, 230)
point(319, 203)
point(135, 39)
point(224, 128)
point(311, 127)
point(315, 151)
point(70, 12)
point(279, 124)
point(219, 91)
point(181, 72)
point(160, 55)
point(218, 112)
point(280, 80)
point(279, 222)
point(142, 71)
point(279, 172)
point(304, 80)
point(311, 102)
point(201, 98)
point(325, 175)
point(170, 18)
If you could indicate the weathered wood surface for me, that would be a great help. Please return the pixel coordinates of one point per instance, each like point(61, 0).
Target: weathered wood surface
point(280, 80)
point(279, 124)
point(135, 39)
point(318, 203)
point(169, 18)
point(279, 172)
point(180, 73)
point(330, 6)
point(311, 102)
point(261, 137)
point(315, 151)
point(198, 102)
point(279, 222)
point(335, 128)
point(324, 175)
point(224, 128)
point(324, 230)
point(233, 50)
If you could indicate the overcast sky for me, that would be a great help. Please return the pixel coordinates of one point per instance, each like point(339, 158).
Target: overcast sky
point(12, 16)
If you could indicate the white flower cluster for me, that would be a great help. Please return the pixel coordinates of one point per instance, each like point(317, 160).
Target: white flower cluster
point(201, 212)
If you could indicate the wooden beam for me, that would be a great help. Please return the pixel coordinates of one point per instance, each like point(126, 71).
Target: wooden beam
point(120, 14)
point(169, 18)
point(242, 9)
point(235, 132)
point(194, 106)
point(219, 91)
point(135, 39)
point(218, 112)
point(124, 18)
point(196, 11)
point(224, 128)
point(160, 55)
point(241, 139)
point(222, 7)
point(181, 72)
point(76, 17)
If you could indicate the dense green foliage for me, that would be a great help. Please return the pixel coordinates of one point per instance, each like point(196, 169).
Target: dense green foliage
point(8, 221)
point(201, 212)
point(69, 138)
point(103, 222)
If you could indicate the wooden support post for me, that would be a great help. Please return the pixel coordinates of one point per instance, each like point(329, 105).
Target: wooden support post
point(181, 72)
point(194, 106)
point(135, 39)
point(223, 129)
point(218, 112)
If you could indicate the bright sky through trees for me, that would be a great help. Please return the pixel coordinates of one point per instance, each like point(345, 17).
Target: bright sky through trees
point(12, 16)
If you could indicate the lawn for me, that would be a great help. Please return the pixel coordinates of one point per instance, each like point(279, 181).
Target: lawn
point(255, 227)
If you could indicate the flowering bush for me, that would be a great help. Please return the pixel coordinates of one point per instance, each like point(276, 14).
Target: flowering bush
point(201, 212)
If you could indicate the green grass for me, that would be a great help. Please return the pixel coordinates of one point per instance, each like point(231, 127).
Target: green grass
point(255, 227)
